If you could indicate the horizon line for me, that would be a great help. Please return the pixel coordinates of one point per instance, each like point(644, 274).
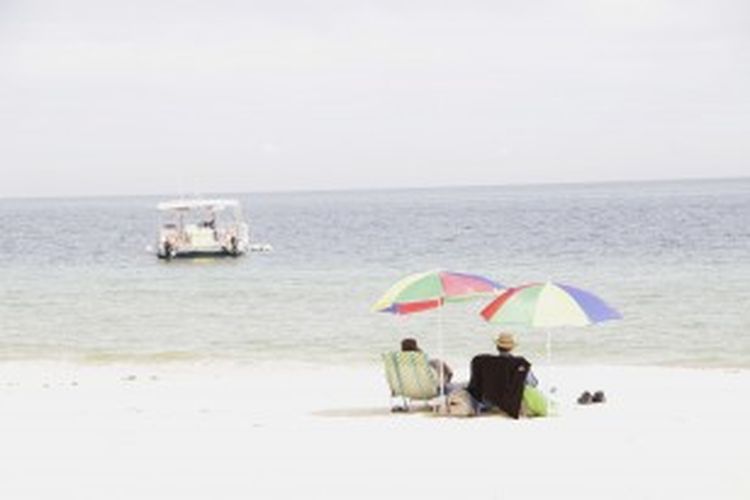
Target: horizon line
point(376, 189)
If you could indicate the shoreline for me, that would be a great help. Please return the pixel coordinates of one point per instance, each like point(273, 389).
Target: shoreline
point(186, 362)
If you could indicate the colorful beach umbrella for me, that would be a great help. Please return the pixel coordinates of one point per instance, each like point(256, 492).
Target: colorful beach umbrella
point(547, 305)
point(430, 290)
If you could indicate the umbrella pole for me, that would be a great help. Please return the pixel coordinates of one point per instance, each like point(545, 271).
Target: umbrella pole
point(440, 353)
point(551, 402)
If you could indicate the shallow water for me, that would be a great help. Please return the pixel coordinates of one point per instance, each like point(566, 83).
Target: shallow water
point(77, 282)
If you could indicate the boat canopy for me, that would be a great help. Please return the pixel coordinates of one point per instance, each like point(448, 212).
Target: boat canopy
point(186, 205)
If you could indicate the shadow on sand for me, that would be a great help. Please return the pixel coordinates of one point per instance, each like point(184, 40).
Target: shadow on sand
point(380, 411)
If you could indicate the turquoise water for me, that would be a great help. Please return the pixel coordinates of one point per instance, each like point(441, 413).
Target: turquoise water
point(78, 284)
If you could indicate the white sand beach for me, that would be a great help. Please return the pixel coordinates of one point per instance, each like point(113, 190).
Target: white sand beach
point(223, 431)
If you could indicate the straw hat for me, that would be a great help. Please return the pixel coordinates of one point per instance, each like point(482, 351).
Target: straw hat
point(506, 341)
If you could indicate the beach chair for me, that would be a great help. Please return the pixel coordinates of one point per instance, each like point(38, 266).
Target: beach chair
point(410, 377)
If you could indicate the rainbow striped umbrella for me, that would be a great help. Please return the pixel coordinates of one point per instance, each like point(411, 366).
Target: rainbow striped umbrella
point(430, 290)
point(546, 305)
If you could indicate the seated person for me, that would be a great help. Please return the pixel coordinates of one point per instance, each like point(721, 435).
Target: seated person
point(505, 381)
point(409, 344)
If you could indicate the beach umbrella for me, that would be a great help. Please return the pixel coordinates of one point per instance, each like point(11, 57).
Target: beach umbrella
point(431, 290)
point(547, 305)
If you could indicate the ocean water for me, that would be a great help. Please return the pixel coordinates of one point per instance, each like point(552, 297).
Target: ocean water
point(77, 283)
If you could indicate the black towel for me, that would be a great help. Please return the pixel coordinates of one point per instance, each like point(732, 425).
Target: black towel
point(499, 381)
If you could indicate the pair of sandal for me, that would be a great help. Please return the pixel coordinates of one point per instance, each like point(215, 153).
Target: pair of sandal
point(587, 398)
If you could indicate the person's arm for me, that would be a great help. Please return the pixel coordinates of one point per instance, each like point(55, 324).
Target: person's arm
point(435, 364)
point(447, 372)
point(531, 379)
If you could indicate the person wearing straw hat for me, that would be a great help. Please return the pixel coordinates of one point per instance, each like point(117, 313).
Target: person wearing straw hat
point(505, 343)
point(505, 381)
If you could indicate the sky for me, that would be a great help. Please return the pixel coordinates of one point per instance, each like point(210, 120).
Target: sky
point(150, 97)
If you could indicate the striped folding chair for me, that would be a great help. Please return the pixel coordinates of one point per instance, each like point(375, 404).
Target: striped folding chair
point(409, 377)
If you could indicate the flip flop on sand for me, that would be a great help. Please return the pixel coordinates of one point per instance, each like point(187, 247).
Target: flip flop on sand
point(585, 398)
point(598, 397)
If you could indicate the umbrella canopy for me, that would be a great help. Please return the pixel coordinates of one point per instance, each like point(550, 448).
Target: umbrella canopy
point(430, 290)
point(546, 305)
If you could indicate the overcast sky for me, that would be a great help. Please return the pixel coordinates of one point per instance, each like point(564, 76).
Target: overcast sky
point(146, 96)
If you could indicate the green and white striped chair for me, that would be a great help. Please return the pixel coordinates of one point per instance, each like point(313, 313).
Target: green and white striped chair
point(410, 376)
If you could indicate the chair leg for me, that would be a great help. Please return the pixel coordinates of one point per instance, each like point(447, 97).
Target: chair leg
point(398, 404)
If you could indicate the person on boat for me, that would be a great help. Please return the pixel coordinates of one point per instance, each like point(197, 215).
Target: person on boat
point(410, 345)
point(505, 381)
point(210, 222)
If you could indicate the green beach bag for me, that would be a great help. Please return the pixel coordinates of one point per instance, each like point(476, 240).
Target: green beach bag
point(534, 401)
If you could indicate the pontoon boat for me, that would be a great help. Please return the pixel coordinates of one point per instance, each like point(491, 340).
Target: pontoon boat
point(201, 227)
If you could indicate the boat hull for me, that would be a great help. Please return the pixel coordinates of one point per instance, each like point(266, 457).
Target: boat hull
point(198, 253)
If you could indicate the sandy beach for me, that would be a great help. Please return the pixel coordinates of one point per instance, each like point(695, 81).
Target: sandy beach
point(306, 431)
